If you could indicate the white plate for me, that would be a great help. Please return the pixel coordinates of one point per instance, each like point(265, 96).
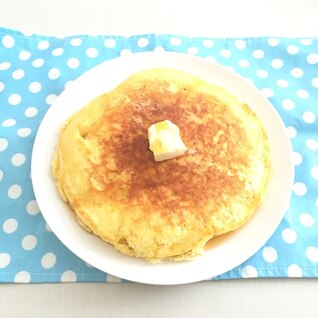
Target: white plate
point(226, 253)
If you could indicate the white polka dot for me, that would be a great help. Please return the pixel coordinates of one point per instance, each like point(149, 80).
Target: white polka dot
point(68, 276)
point(5, 260)
point(32, 208)
point(277, 63)
point(22, 277)
point(288, 104)
point(18, 159)
point(240, 44)
point(37, 63)
point(262, 73)
point(159, 49)
point(8, 122)
point(26, 32)
point(306, 41)
point(225, 53)
point(8, 41)
point(18, 74)
point(297, 72)
point(301, 93)
point(31, 112)
point(243, 63)
point(291, 131)
point(14, 191)
point(1, 174)
point(110, 43)
point(282, 83)
point(29, 242)
point(14, 99)
point(3, 144)
point(300, 189)
point(58, 51)
point(267, 92)
point(50, 99)
point(314, 82)
point(76, 42)
point(294, 270)
point(24, 132)
point(125, 52)
point(297, 158)
point(273, 42)
point(24, 55)
point(91, 52)
point(43, 45)
point(192, 50)
point(312, 58)
point(54, 73)
point(249, 271)
point(208, 43)
point(309, 117)
point(175, 41)
point(306, 220)
point(314, 172)
point(48, 260)
point(2, 86)
point(312, 144)
point(47, 227)
point(292, 49)
point(112, 279)
point(289, 236)
point(312, 254)
point(35, 87)
point(73, 62)
point(269, 254)
point(5, 66)
point(258, 54)
point(142, 42)
point(10, 226)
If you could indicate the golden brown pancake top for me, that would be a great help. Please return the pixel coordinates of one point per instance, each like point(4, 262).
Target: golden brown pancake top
point(206, 171)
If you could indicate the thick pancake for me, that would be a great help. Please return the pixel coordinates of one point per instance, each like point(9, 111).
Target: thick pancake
point(162, 210)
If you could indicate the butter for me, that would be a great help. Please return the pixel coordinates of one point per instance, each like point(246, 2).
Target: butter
point(165, 141)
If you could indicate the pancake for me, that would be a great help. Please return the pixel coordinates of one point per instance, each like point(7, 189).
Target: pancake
point(162, 210)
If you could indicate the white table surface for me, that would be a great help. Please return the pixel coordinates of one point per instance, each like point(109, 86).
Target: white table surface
point(220, 18)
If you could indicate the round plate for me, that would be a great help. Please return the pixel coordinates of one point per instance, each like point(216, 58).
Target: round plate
point(224, 253)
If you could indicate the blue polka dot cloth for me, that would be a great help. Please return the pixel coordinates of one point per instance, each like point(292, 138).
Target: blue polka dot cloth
point(35, 69)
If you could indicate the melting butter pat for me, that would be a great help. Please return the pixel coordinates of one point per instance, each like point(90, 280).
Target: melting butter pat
point(165, 141)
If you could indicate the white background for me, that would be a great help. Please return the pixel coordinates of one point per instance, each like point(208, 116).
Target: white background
point(221, 18)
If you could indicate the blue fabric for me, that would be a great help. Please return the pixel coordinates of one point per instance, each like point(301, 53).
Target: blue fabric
point(34, 69)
